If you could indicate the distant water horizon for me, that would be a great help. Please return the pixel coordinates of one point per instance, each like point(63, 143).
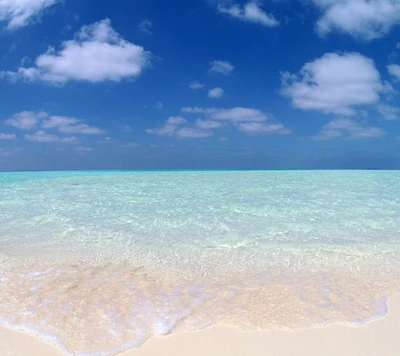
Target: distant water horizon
point(196, 169)
point(98, 261)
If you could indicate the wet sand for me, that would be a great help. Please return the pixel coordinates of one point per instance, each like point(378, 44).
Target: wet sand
point(379, 337)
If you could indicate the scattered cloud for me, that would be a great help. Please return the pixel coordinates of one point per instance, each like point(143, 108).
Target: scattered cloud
point(145, 27)
point(196, 85)
point(215, 93)
point(41, 136)
point(29, 120)
point(388, 112)
point(174, 126)
point(4, 136)
point(255, 128)
point(362, 19)
point(208, 124)
point(334, 83)
point(19, 13)
point(222, 67)
point(106, 140)
point(394, 70)
point(193, 132)
point(176, 120)
point(250, 12)
point(345, 128)
point(247, 120)
point(108, 57)
point(67, 124)
point(25, 120)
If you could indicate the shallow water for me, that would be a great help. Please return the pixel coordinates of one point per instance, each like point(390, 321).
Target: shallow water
point(98, 262)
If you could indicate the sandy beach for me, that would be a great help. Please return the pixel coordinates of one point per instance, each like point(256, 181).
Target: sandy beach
point(379, 337)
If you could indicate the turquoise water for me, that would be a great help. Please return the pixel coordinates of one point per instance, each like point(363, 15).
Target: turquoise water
point(98, 262)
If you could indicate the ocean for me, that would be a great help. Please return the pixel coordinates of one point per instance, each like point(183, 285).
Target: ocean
point(97, 262)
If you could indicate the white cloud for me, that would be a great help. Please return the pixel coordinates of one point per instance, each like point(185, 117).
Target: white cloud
point(25, 120)
point(246, 120)
point(222, 67)
point(41, 136)
point(250, 12)
point(334, 83)
point(145, 27)
point(236, 114)
point(29, 120)
point(18, 13)
point(215, 93)
point(165, 130)
point(4, 136)
point(254, 128)
point(176, 120)
point(107, 57)
point(196, 85)
point(348, 129)
point(362, 19)
point(388, 112)
point(174, 127)
point(208, 124)
point(193, 132)
point(394, 70)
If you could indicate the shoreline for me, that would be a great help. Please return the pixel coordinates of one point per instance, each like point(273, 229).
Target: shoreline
point(377, 337)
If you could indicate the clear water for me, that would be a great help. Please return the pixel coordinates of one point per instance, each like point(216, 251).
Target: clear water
point(98, 262)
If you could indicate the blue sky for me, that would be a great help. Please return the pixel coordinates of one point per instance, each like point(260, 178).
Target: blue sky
point(123, 84)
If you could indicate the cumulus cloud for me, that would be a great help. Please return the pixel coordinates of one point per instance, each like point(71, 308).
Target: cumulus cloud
point(41, 121)
point(196, 85)
point(334, 83)
point(222, 67)
point(255, 128)
point(18, 13)
point(215, 93)
point(388, 112)
point(107, 57)
point(345, 128)
point(25, 120)
point(250, 12)
point(193, 132)
point(4, 136)
point(208, 124)
point(41, 136)
point(173, 126)
point(247, 120)
point(362, 19)
point(176, 120)
point(394, 70)
point(67, 124)
point(29, 120)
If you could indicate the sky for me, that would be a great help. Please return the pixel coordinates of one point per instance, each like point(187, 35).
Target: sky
point(199, 84)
